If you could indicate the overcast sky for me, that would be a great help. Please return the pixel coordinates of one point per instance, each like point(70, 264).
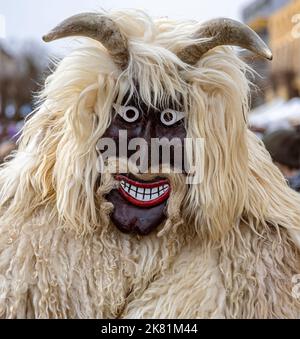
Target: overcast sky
point(30, 19)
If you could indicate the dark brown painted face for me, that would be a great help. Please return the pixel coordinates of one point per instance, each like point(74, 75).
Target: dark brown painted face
point(140, 206)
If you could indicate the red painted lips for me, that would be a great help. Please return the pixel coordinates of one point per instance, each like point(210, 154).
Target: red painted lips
point(144, 194)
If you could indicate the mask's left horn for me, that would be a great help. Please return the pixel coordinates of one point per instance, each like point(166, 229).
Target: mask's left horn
point(97, 27)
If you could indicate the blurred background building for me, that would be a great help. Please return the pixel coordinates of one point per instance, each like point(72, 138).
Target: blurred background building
point(284, 32)
point(257, 15)
point(275, 101)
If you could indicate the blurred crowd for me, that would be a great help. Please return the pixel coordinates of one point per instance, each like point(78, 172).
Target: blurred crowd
point(21, 71)
point(284, 147)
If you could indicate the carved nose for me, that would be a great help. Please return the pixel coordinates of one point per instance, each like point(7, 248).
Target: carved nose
point(148, 133)
point(146, 155)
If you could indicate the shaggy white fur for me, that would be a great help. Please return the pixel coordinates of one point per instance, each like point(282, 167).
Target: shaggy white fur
point(230, 246)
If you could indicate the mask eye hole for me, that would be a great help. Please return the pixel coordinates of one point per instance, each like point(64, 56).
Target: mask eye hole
point(128, 113)
point(170, 117)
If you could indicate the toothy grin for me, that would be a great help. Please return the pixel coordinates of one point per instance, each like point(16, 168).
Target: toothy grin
point(144, 194)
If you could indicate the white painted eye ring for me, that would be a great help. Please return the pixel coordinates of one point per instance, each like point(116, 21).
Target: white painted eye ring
point(124, 110)
point(170, 117)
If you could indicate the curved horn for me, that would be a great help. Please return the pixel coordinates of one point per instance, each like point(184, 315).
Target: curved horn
point(97, 27)
point(224, 31)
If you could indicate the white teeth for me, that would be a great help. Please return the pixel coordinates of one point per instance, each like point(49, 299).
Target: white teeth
point(139, 197)
point(155, 196)
point(142, 194)
point(147, 198)
point(141, 190)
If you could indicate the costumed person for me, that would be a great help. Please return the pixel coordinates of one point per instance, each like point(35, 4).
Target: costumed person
point(78, 244)
point(284, 148)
